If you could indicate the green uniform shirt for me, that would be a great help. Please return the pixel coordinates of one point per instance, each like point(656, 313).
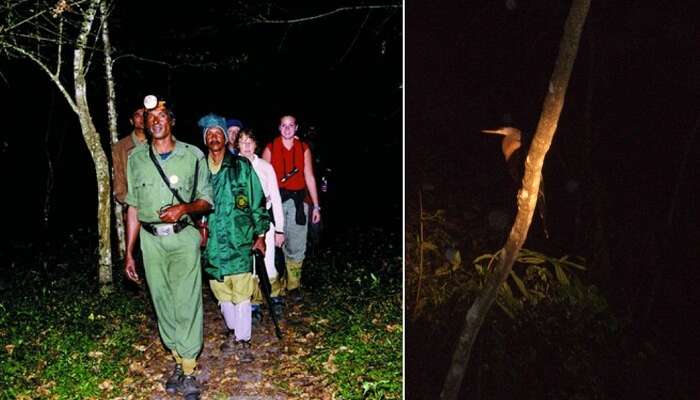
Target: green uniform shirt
point(146, 189)
point(239, 217)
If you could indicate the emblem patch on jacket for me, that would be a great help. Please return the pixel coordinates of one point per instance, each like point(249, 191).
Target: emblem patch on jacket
point(241, 201)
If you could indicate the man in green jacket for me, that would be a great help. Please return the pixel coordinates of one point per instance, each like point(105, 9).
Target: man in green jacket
point(236, 227)
point(169, 241)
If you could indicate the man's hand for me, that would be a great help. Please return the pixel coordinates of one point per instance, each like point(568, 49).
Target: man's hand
point(173, 214)
point(279, 239)
point(130, 269)
point(315, 216)
point(259, 244)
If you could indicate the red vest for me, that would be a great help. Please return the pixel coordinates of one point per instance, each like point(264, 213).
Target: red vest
point(284, 160)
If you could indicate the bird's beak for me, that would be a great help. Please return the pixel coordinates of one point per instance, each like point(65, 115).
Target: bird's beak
point(496, 131)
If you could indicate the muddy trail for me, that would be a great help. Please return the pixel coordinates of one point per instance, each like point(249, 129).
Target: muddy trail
point(276, 373)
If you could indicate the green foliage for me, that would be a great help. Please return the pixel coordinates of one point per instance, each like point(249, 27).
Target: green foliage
point(537, 277)
point(434, 264)
point(358, 318)
point(58, 336)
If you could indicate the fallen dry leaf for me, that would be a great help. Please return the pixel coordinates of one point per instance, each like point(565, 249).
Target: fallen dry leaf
point(329, 365)
point(95, 354)
point(107, 385)
point(139, 347)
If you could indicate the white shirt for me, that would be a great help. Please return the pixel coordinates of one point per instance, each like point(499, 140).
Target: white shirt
point(268, 179)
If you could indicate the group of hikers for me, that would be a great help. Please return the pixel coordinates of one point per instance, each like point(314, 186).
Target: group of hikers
point(225, 206)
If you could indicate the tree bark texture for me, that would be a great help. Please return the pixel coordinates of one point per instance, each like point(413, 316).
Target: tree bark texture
point(527, 196)
point(112, 119)
point(92, 139)
point(76, 99)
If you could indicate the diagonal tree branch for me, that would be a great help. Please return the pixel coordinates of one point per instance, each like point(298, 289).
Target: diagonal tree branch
point(527, 197)
point(263, 20)
point(352, 44)
point(51, 75)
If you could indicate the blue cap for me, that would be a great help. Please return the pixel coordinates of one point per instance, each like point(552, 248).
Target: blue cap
point(212, 121)
point(233, 122)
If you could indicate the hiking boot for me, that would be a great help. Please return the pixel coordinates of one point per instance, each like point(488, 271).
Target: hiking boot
point(245, 354)
point(256, 314)
point(278, 307)
point(174, 380)
point(229, 343)
point(189, 388)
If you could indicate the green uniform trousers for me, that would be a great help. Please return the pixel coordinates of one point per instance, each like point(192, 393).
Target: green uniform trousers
point(173, 270)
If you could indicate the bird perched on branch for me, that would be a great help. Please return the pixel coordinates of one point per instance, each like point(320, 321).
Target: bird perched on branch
point(514, 154)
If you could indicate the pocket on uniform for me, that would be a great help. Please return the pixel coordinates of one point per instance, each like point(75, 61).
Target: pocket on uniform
point(145, 193)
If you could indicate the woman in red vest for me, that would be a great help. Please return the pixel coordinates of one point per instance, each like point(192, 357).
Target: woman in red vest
point(291, 158)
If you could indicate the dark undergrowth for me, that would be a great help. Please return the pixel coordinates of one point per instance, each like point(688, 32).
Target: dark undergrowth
point(59, 337)
point(356, 290)
point(550, 335)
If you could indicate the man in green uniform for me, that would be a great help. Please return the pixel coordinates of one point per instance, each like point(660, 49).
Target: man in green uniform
point(169, 242)
point(236, 227)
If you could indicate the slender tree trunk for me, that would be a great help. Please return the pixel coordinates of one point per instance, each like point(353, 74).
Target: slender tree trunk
point(527, 196)
point(77, 101)
point(92, 139)
point(50, 173)
point(112, 119)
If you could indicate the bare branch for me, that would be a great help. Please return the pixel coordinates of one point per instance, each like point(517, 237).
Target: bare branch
point(352, 44)
point(24, 21)
point(527, 197)
point(263, 20)
point(37, 15)
point(172, 66)
point(53, 77)
point(60, 47)
point(111, 92)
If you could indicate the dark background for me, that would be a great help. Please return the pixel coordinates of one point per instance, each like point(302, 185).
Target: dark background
point(469, 63)
point(341, 74)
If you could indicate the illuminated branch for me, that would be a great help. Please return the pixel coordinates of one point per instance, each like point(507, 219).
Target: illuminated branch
point(53, 77)
point(263, 20)
point(352, 44)
point(169, 65)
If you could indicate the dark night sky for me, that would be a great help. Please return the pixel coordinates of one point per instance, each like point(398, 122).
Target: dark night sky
point(341, 74)
point(468, 63)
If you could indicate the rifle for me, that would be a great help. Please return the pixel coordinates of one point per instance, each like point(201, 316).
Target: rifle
point(266, 287)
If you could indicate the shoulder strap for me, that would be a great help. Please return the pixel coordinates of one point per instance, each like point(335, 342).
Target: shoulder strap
point(162, 175)
point(167, 183)
point(194, 184)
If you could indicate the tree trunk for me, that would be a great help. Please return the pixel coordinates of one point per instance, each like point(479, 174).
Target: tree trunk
point(527, 196)
point(92, 139)
point(112, 119)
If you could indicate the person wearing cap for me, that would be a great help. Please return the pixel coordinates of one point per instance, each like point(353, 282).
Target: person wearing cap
point(120, 154)
point(169, 241)
point(236, 227)
point(274, 238)
point(233, 126)
point(292, 160)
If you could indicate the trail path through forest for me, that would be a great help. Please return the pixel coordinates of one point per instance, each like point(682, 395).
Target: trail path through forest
point(276, 374)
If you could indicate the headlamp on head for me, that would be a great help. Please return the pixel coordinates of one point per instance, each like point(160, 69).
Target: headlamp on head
point(152, 101)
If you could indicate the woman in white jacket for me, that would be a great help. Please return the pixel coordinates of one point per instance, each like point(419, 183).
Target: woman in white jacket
point(247, 144)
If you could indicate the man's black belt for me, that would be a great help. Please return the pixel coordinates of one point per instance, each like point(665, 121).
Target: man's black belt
point(164, 229)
